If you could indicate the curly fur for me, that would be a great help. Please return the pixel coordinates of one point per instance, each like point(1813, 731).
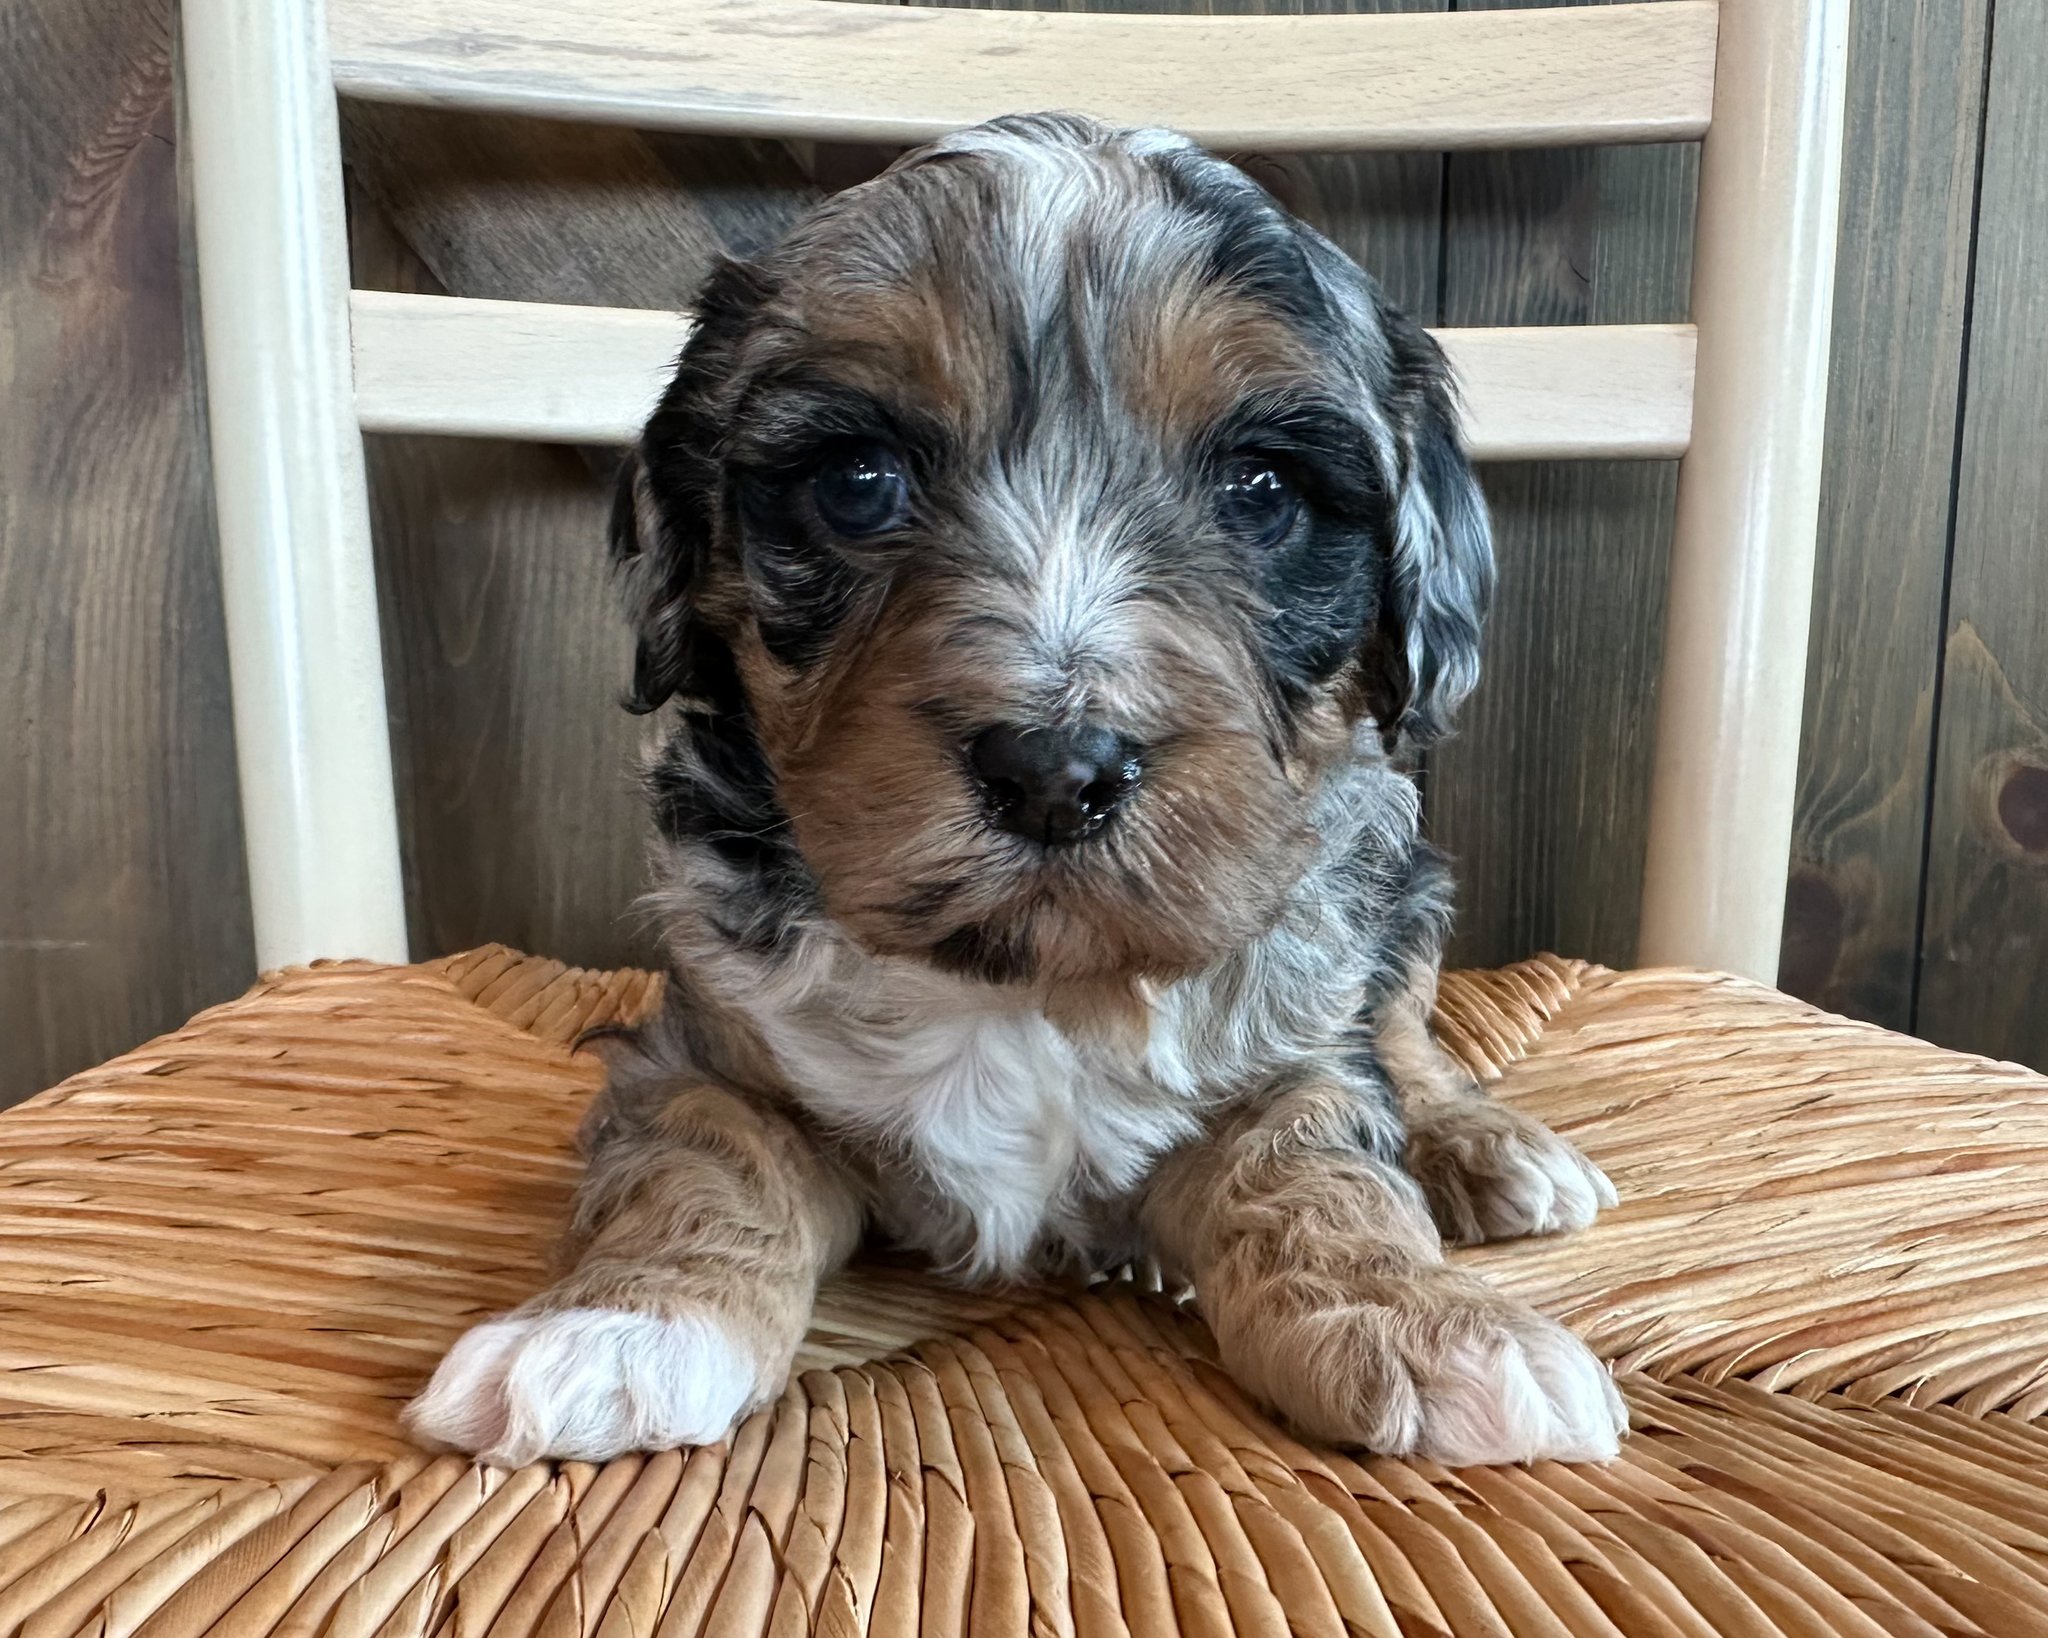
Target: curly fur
point(1188, 1038)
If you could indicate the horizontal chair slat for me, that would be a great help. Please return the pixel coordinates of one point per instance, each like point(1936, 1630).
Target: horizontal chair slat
point(509, 369)
point(1575, 392)
point(591, 375)
point(832, 70)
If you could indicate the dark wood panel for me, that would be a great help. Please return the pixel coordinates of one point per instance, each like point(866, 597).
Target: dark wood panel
point(515, 764)
point(123, 904)
point(1543, 796)
point(525, 210)
point(1984, 975)
point(1916, 74)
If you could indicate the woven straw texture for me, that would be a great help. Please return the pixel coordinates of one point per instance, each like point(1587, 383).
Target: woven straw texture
point(229, 1257)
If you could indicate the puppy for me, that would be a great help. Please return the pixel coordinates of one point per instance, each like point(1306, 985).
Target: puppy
point(1050, 548)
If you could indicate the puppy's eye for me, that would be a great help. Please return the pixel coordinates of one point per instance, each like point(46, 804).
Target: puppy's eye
point(860, 488)
point(1256, 501)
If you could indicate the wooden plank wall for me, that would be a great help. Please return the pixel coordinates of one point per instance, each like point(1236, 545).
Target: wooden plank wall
point(1915, 114)
point(1544, 795)
point(1984, 950)
point(122, 905)
point(1920, 868)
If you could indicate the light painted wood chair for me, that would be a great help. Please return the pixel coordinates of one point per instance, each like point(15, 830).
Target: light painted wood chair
point(298, 364)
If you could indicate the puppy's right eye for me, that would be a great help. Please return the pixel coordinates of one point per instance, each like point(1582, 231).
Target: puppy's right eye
point(860, 488)
point(1256, 500)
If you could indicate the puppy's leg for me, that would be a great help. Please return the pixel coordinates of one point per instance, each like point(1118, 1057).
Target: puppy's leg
point(1489, 1172)
point(701, 1231)
point(1315, 1261)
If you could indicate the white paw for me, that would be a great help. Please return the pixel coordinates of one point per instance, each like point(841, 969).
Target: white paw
point(1493, 1173)
point(1530, 1393)
point(586, 1384)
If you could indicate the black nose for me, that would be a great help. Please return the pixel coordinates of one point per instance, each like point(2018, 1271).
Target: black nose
point(1053, 785)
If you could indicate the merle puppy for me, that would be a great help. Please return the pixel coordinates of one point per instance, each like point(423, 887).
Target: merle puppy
point(1048, 549)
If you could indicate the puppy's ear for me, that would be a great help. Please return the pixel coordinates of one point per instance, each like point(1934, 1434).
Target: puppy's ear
point(655, 572)
point(665, 506)
point(1441, 572)
point(1422, 657)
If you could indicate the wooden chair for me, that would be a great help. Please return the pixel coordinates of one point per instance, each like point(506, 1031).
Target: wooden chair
point(297, 363)
point(230, 1256)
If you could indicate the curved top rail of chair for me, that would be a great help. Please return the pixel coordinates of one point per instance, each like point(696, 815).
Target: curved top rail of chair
point(831, 70)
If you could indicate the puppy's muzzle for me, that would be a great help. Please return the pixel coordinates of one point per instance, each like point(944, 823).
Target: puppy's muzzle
point(1053, 785)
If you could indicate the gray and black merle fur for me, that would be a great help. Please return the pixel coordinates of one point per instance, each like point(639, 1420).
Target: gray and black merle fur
point(1014, 1056)
point(1391, 623)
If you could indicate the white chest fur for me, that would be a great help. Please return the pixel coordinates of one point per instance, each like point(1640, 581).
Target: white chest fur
point(1009, 1121)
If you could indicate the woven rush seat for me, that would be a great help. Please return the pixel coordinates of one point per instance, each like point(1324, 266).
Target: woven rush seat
point(230, 1256)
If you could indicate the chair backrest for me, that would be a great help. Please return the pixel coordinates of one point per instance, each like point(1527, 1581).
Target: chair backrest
point(299, 365)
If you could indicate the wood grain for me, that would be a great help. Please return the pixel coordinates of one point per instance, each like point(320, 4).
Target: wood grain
point(1916, 74)
point(123, 904)
point(1983, 966)
point(458, 366)
point(805, 68)
point(525, 210)
point(1542, 797)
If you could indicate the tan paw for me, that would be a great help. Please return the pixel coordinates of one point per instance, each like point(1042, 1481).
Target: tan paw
point(1491, 1172)
point(1436, 1365)
point(1522, 1390)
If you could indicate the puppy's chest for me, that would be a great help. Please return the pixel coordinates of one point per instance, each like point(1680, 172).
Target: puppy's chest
point(993, 1137)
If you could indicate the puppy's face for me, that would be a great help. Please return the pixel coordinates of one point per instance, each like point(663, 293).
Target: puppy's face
point(1049, 517)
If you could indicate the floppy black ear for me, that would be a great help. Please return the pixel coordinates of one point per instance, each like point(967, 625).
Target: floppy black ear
point(665, 504)
point(1441, 573)
point(655, 571)
point(1422, 657)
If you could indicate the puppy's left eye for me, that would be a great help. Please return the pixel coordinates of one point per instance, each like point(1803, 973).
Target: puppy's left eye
point(1256, 501)
point(860, 488)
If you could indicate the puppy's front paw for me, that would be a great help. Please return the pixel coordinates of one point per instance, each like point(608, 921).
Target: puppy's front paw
point(1436, 1365)
point(1517, 1388)
point(1493, 1173)
point(586, 1384)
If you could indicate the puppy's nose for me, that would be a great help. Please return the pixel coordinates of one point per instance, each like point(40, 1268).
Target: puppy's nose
point(1053, 785)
